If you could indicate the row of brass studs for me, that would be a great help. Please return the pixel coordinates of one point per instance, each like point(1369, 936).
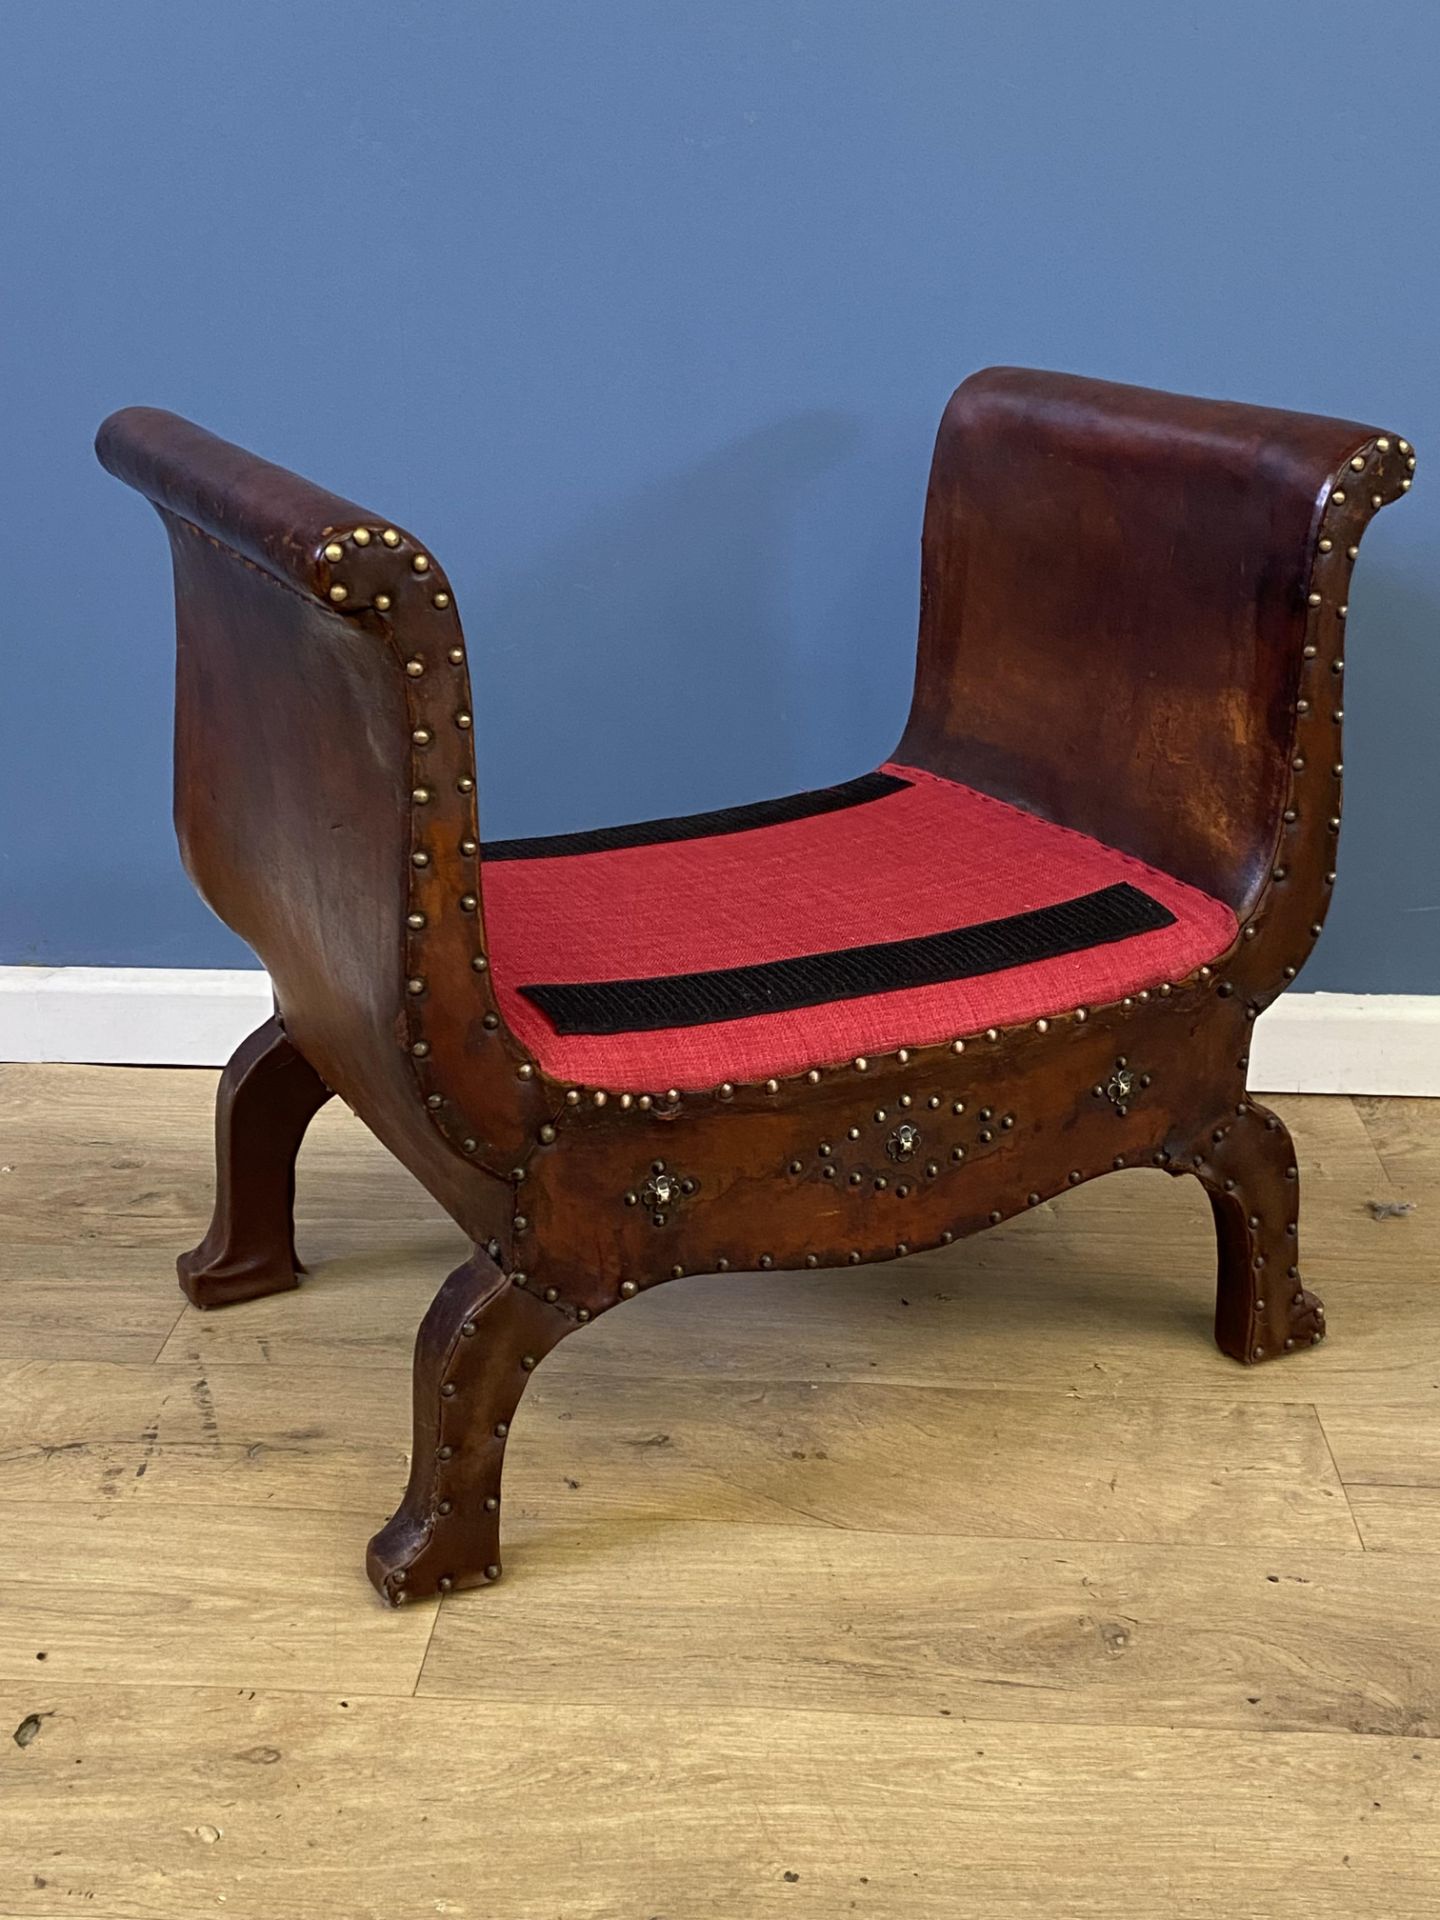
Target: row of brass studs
point(423, 795)
point(1305, 705)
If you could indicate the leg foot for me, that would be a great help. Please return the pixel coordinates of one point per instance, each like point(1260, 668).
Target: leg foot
point(477, 1347)
point(1248, 1167)
point(268, 1096)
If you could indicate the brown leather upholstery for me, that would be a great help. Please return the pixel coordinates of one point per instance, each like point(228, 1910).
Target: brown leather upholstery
point(1133, 608)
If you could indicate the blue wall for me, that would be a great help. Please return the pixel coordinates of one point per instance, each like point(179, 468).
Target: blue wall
point(642, 313)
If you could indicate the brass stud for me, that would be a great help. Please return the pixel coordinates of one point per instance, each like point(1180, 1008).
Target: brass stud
point(421, 796)
point(582, 1313)
point(628, 1289)
point(1326, 544)
point(1382, 443)
point(1309, 652)
point(992, 1033)
point(433, 1100)
point(812, 1260)
point(525, 1071)
point(677, 1273)
point(442, 600)
point(422, 736)
point(1358, 463)
point(334, 552)
point(447, 1392)
point(415, 920)
point(456, 656)
point(1338, 496)
point(1378, 499)
point(996, 1217)
point(480, 964)
point(469, 848)
point(420, 859)
point(361, 536)
point(339, 593)
point(767, 1261)
point(1314, 599)
point(1302, 706)
point(546, 1134)
point(854, 1256)
point(725, 1091)
point(946, 1238)
point(1404, 446)
point(1032, 1199)
point(462, 720)
point(903, 1056)
point(390, 537)
point(772, 1086)
point(957, 1046)
point(420, 563)
point(527, 1363)
point(599, 1096)
point(415, 985)
point(1042, 1026)
point(813, 1076)
point(1353, 552)
point(464, 784)
point(420, 1049)
point(382, 603)
point(862, 1065)
point(468, 903)
point(492, 1572)
point(414, 668)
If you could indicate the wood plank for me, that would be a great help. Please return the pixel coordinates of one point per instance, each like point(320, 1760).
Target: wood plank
point(1406, 1136)
point(898, 1459)
point(1397, 1519)
point(178, 1802)
point(1389, 1460)
point(710, 1618)
point(128, 1592)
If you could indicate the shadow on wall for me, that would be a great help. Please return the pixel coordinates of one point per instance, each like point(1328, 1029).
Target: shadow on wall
point(1384, 923)
point(689, 585)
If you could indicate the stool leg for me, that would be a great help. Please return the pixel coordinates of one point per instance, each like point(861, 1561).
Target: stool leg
point(1251, 1176)
point(268, 1096)
point(476, 1349)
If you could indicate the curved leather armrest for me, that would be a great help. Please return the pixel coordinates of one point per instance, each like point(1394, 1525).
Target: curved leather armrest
point(265, 513)
point(1118, 591)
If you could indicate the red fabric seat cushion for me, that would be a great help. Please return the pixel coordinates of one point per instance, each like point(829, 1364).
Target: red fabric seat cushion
point(926, 858)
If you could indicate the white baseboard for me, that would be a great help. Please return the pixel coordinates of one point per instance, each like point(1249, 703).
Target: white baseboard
point(1381, 1043)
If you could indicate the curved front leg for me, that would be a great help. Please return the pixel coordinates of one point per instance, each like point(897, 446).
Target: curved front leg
point(477, 1347)
point(268, 1095)
point(1246, 1162)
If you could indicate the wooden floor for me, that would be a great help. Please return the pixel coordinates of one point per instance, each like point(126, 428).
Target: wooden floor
point(979, 1584)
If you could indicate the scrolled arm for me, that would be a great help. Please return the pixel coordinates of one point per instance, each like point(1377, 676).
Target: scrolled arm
point(325, 794)
point(1131, 610)
point(271, 517)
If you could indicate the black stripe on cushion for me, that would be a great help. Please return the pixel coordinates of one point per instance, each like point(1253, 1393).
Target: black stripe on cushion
point(701, 826)
point(778, 986)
